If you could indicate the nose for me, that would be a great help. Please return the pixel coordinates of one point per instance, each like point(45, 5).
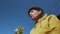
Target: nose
point(31, 14)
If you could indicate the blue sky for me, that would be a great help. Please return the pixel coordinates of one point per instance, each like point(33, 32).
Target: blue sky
point(14, 13)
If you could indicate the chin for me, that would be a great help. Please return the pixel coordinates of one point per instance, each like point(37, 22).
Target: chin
point(34, 19)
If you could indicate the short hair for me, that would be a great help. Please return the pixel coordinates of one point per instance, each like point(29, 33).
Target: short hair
point(35, 8)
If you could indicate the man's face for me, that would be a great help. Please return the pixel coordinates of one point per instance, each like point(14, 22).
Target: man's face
point(35, 14)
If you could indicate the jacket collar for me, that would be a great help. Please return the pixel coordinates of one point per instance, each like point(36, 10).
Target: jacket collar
point(41, 19)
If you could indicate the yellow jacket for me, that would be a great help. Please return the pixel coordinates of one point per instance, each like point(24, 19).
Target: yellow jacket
point(47, 25)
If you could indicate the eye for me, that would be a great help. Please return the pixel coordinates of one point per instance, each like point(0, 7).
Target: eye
point(31, 11)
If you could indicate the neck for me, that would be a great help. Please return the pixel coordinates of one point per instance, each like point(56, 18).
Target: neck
point(36, 19)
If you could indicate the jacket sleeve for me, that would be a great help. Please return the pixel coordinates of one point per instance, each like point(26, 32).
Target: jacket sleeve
point(54, 24)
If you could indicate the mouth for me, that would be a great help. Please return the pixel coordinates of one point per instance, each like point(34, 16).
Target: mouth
point(31, 15)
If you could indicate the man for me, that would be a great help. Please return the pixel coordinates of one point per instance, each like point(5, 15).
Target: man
point(44, 24)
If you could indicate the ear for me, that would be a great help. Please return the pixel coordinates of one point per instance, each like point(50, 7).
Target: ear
point(40, 12)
